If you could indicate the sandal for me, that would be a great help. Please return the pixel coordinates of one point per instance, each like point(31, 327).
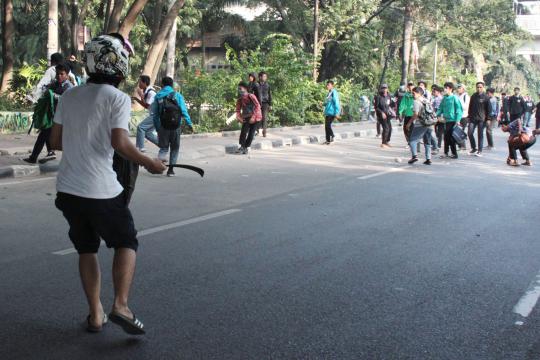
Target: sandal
point(95, 329)
point(131, 326)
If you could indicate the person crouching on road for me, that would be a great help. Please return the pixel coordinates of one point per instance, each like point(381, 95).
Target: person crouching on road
point(421, 129)
point(168, 110)
point(332, 109)
point(452, 111)
point(248, 113)
point(519, 140)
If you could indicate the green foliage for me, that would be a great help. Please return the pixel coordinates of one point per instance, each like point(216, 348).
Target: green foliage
point(24, 80)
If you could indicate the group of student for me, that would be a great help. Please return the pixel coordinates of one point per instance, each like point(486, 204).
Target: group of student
point(448, 113)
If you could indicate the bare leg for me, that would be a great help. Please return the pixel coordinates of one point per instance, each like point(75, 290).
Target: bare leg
point(91, 281)
point(123, 270)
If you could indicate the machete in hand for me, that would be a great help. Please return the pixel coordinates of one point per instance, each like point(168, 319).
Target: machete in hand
point(189, 167)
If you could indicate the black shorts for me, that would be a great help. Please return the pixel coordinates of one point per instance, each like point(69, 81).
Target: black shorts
point(92, 219)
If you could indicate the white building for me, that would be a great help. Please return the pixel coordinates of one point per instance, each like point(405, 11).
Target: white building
point(528, 18)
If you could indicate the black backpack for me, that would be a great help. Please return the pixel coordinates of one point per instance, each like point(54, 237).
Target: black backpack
point(427, 116)
point(170, 113)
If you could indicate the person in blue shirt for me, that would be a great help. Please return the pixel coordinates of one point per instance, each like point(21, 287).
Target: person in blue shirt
point(169, 137)
point(332, 109)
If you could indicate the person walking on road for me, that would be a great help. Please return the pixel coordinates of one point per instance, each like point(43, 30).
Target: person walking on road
point(332, 109)
point(437, 97)
point(528, 111)
point(452, 111)
point(265, 100)
point(478, 116)
point(146, 127)
point(54, 90)
point(494, 110)
point(91, 123)
point(169, 113)
point(248, 113)
point(464, 121)
point(504, 117)
point(422, 123)
point(406, 109)
point(537, 114)
point(384, 114)
point(516, 105)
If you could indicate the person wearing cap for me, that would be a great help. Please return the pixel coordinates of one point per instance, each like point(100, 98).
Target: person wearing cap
point(383, 108)
point(465, 100)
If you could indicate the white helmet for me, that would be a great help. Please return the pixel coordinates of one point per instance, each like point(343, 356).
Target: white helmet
point(106, 55)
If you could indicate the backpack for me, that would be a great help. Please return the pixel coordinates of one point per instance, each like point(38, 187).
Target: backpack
point(42, 118)
point(248, 109)
point(427, 116)
point(170, 115)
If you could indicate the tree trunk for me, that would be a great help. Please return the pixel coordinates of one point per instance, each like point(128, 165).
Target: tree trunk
point(131, 17)
point(157, 66)
point(407, 34)
point(315, 39)
point(52, 42)
point(66, 19)
point(8, 31)
point(108, 10)
point(77, 24)
point(157, 48)
point(114, 19)
point(171, 51)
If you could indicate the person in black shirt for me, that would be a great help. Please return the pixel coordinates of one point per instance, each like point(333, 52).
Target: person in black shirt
point(265, 100)
point(383, 108)
point(516, 105)
point(504, 119)
point(478, 115)
point(537, 116)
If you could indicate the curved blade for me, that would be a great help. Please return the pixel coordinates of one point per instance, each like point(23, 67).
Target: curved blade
point(189, 167)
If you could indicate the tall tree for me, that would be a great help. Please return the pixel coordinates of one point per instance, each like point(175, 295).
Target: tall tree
point(171, 51)
point(157, 47)
point(407, 39)
point(131, 18)
point(113, 23)
point(52, 42)
point(8, 32)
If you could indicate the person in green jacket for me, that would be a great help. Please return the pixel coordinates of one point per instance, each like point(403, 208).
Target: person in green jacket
point(451, 110)
point(406, 109)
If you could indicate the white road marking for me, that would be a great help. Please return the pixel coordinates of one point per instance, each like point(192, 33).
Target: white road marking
point(174, 225)
point(26, 181)
point(528, 301)
point(381, 173)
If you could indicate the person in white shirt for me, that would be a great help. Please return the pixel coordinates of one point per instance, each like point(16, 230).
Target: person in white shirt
point(91, 123)
point(48, 78)
point(146, 128)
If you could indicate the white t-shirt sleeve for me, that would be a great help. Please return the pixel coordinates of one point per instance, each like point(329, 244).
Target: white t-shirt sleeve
point(150, 97)
point(58, 115)
point(121, 110)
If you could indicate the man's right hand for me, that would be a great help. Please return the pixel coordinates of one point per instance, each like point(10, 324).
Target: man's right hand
point(155, 166)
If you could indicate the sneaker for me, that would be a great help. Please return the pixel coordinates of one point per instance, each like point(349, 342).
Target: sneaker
point(51, 154)
point(453, 157)
point(478, 154)
point(445, 156)
point(171, 173)
point(413, 160)
point(326, 143)
point(526, 163)
point(513, 163)
point(245, 151)
point(378, 136)
point(473, 152)
point(29, 160)
point(427, 162)
point(331, 139)
point(240, 150)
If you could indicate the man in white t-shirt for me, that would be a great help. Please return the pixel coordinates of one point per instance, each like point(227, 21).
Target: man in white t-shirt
point(91, 123)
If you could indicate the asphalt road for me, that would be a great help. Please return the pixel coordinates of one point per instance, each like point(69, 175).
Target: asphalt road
point(316, 252)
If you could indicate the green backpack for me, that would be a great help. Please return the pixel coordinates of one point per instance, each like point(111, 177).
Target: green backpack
point(42, 118)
